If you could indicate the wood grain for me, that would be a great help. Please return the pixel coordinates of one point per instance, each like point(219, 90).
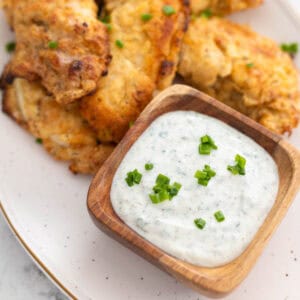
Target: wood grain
point(210, 281)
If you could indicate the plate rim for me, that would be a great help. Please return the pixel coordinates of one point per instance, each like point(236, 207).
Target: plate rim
point(33, 256)
point(295, 17)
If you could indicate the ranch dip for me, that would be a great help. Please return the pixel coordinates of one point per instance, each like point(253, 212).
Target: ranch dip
point(213, 212)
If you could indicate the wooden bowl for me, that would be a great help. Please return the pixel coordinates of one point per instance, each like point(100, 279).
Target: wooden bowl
point(211, 281)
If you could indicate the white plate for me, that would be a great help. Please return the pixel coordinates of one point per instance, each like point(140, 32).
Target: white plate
point(46, 207)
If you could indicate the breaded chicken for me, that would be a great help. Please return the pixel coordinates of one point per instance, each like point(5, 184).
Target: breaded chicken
point(242, 69)
point(145, 54)
point(63, 132)
point(61, 43)
point(222, 7)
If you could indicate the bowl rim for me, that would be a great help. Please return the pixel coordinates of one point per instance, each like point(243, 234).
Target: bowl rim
point(217, 281)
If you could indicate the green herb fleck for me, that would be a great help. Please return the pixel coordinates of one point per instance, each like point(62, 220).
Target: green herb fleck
point(53, 45)
point(219, 216)
point(206, 14)
point(168, 10)
point(149, 166)
point(200, 223)
point(104, 19)
point(119, 44)
point(207, 145)
point(239, 168)
point(10, 47)
point(290, 48)
point(250, 65)
point(163, 190)
point(205, 175)
point(133, 177)
point(108, 26)
point(131, 123)
point(146, 17)
point(39, 141)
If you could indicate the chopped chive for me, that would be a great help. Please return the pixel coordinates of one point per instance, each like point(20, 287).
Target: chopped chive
point(146, 17)
point(250, 65)
point(207, 13)
point(53, 44)
point(168, 10)
point(104, 19)
point(162, 180)
point(239, 168)
point(207, 144)
point(174, 189)
point(133, 177)
point(119, 44)
point(131, 123)
point(149, 166)
point(163, 190)
point(205, 175)
point(10, 47)
point(291, 48)
point(219, 216)
point(108, 26)
point(39, 141)
point(200, 223)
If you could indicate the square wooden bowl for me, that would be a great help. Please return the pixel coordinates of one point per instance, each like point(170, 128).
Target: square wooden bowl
point(211, 281)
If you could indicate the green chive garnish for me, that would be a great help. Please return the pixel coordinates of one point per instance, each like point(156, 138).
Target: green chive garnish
point(146, 17)
point(119, 44)
point(207, 144)
point(239, 168)
point(219, 216)
point(250, 65)
point(149, 166)
point(53, 45)
point(205, 175)
point(131, 123)
point(10, 47)
point(108, 26)
point(39, 141)
point(200, 223)
point(168, 10)
point(206, 14)
point(133, 178)
point(104, 19)
point(163, 190)
point(290, 48)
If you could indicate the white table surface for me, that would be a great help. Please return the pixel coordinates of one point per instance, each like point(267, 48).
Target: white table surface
point(21, 279)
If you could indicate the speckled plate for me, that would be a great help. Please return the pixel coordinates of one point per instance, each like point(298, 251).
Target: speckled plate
point(45, 206)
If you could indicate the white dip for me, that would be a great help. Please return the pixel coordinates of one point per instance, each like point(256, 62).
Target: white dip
point(171, 145)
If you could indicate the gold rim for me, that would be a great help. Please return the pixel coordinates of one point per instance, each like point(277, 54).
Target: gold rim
point(34, 257)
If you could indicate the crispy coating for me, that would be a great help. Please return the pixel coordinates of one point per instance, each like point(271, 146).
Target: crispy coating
point(64, 133)
point(222, 7)
point(146, 63)
point(242, 69)
point(73, 68)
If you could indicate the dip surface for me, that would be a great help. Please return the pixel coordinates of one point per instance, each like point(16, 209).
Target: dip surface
point(171, 144)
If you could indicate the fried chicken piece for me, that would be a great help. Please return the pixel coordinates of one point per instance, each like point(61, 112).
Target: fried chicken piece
point(64, 134)
point(61, 43)
point(222, 7)
point(145, 55)
point(242, 69)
